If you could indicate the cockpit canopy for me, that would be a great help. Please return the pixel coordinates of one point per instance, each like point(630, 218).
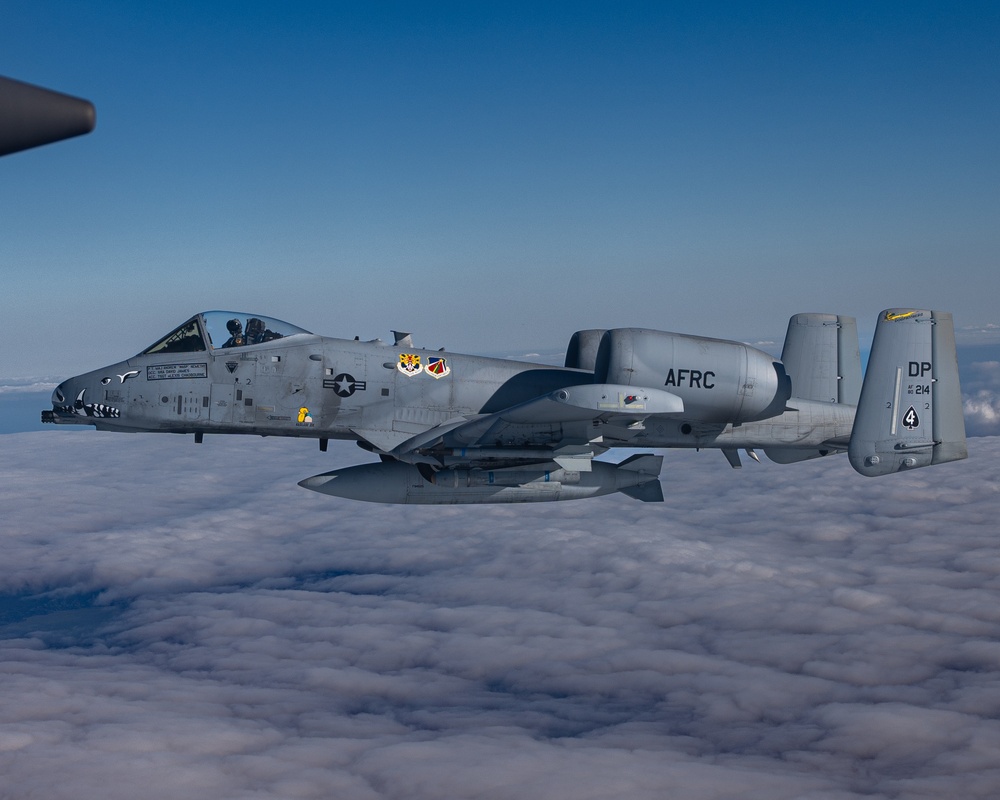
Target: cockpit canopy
point(214, 330)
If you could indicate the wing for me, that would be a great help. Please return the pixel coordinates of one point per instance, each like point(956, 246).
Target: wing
point(564, 423)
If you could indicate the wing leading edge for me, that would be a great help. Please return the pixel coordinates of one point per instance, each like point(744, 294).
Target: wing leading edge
point(559, 419)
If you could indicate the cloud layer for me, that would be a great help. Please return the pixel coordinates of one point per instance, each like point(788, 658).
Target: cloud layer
point(184, 621)
point(981, 385)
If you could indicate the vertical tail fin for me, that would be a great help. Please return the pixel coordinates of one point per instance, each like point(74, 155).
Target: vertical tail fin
point(821, 357)
point(910, 412)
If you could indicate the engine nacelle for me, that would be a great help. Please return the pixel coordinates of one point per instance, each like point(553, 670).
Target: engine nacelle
point(719, 380)
point(583, 348)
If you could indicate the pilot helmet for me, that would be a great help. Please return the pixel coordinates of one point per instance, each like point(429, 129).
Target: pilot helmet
point(235, 327)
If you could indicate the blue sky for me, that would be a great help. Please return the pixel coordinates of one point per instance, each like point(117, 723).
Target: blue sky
point(496, 176)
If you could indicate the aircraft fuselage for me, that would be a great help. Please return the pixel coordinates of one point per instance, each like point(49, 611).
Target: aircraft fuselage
point(456, 428)
point(318, 387)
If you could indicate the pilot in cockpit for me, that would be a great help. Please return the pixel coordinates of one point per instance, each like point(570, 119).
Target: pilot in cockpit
point(236, 337)
point(257, 332)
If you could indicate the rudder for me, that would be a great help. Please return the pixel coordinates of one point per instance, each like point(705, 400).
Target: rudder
point(910, 412)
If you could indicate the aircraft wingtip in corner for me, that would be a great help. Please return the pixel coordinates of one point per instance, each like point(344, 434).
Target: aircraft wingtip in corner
point(452, 428)
point(31, 116)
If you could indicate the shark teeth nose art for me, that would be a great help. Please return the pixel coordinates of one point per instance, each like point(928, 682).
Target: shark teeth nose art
point(83, 409)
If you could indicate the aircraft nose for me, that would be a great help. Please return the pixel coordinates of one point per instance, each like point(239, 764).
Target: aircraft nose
point(77, 401)
point(62, 404)
point(65, 393)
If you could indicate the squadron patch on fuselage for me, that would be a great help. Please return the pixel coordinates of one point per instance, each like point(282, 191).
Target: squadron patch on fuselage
point(409, 364)
point(437, 367)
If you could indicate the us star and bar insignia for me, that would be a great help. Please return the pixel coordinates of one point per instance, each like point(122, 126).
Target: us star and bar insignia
point(344, 385)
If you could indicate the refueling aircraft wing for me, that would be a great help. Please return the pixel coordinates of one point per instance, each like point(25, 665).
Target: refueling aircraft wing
point(31, 116)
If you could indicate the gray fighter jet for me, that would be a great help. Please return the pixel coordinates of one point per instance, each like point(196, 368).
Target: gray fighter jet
point(452, 428)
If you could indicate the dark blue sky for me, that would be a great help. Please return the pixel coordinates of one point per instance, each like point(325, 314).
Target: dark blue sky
point(495, 176)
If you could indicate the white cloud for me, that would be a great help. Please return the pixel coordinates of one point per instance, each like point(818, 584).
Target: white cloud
point(26, 385)
point(982, 413)
point(978, 335)
point(184, 621)
point(981, 398)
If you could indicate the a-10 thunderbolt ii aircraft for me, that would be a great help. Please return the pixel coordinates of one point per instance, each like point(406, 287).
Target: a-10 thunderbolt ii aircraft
point(452, 428)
